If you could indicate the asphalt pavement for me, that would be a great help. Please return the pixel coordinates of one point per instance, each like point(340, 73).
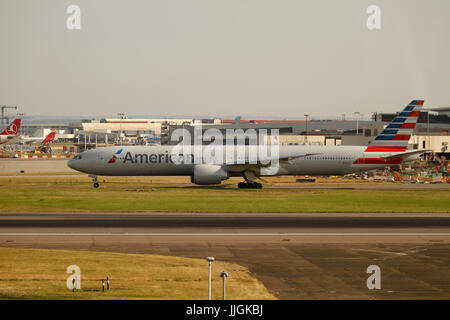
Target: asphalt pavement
point(297, 256)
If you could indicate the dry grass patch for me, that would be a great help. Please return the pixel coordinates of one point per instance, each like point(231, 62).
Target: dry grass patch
point(41, 274)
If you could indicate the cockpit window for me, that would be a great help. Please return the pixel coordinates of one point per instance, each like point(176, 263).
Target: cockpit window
point(78, 157)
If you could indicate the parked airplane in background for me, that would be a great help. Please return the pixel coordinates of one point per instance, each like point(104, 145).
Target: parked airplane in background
point(387, 149)
point(30, 140)
point(10, 133)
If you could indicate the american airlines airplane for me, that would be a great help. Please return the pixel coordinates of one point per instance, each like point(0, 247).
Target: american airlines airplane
point(9, 135)
point(387, 149)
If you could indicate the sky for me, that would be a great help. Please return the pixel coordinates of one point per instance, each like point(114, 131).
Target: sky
point(223, 58)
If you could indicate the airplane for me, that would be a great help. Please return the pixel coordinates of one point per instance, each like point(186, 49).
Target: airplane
point(10, 133)
point(388, 149)
point(44, 140)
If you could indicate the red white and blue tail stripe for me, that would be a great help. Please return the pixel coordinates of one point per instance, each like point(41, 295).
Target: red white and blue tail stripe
point(395, 137)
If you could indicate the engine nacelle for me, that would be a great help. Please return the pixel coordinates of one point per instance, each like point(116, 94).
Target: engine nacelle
point(208, 174)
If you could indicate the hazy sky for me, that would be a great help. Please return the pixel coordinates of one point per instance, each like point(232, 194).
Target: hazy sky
point(279, 58)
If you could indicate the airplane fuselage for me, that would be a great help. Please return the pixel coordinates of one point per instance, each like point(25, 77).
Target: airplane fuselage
point(4, 139)
point(158, 161)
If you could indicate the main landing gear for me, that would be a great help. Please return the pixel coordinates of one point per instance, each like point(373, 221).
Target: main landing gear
point(249, 185)
point(249, 182)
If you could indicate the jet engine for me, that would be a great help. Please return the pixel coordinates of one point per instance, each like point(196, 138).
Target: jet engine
point(208, 174)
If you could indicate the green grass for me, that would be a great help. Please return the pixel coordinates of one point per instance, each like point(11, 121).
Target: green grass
point(41, 274)
point(121, 195)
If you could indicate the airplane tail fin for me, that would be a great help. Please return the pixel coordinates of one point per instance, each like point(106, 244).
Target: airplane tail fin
point(49, 138)
point(395, 137)
point(12, 129)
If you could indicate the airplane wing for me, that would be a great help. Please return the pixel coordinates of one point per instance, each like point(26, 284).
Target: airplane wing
point(266, 161)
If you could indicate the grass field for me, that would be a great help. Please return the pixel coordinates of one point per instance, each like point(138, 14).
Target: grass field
point(41, 274)
point(121, 194)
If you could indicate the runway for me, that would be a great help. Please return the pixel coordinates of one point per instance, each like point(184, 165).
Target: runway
point(222, 220)
point(297, 256)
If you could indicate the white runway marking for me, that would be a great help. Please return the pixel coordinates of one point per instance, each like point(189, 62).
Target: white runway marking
point(382, 252)
point(319, 234)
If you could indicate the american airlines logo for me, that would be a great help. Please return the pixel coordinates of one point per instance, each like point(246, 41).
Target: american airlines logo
point(153, 158)
point(114, 157)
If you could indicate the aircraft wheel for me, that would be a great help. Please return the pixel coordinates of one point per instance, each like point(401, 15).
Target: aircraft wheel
point(96, 185)
point(242, 185)
point(255, 185)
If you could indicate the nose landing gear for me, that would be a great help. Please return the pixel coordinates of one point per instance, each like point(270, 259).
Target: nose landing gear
point(94, 179)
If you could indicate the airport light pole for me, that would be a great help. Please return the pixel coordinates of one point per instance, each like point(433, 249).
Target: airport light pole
point(357, 124)
point(361, 116)
point(21, 129)
point(224, 276)
point(121, 115)
point(306, 129)
point(428, 130)
point(210, 260)
point(20, 115)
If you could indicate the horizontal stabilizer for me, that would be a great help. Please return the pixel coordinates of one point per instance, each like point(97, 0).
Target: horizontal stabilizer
point(407, 154)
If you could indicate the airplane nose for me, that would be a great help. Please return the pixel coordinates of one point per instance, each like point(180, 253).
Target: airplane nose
point(79, 162)
point(71, 164)
point(75, 164)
